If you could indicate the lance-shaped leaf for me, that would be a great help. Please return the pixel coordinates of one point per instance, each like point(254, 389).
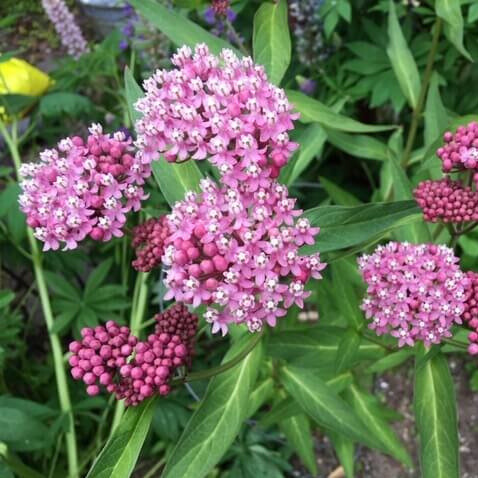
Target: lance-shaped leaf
point(402, 60)
point(120, 454)
point(358, 145)
point(133, 93)
point(179, 29)
point(216, 423)
point(271, 39)
point(436, 117)
point(436, 418)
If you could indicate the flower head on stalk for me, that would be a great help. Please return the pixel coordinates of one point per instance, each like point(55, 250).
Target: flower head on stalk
point(237, 252)
point(82, 188)
point(415, 292)
point(221, 108)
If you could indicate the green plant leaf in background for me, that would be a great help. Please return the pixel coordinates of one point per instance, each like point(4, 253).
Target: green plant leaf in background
point(347, 352)
point(358, 145)
point(345, 450)
point(179, 29)
point(133, 93)
point(343, 227)
point(436, 418)
point(436, 117)
point(338, 195)
point(120, 454)
point(271, 39)
point(402, 60)
point(314, 111)
point(450, 12)
point(217, 421)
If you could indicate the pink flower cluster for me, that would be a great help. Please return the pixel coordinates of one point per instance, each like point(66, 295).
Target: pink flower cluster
point(471, 312)
point(415, 292)
point(237, 252)
point(68, 31)
point(461, 150)
point(82, 189)
point(149, 240)
point(223, 109)
point(446, 200)
point(131, 369)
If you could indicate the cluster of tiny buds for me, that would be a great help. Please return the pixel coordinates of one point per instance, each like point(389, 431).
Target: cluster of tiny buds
point(220, 7)
point(460, 151)
point(447, 201)
point(131, 369)
point(149, 241)
point(470, 315)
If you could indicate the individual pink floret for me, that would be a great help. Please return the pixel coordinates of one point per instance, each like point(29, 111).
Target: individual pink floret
point(415, 292)
point(238, 253)
point(220, 108)
point(82, 189)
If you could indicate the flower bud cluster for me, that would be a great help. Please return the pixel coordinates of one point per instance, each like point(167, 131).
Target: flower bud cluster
point(82, 188)
point(471, 312)
point(414, 292)
point(149, 240)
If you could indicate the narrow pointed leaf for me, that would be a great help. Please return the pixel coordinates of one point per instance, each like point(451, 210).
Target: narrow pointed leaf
point(219, 418)
point(271, 39)
point(133, 93)
point(339, 196)
point(436, 117)
point(358, 145)
point(345, 450)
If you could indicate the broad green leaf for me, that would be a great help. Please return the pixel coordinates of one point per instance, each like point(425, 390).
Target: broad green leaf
point(314, 111)
point(260, 395)
point(179, 29)
point(345, 450)
point(450, 12)
point(401, 58)
point(120, 454)
point(299, 435)
point(365, 410)
point(345, 292)
point(391, 360)
point(358, 145)
point(271, 39)
point(347, 351)
point(436, 117)
point(311, 143)
point(324, 406)
point(218, 419)
point(343, 226)
point(436, 419)
point(175, 179)
point(338, 195)
point(133, 93)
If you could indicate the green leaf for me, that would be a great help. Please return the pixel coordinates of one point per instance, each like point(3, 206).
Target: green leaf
point(311, 142)
point(436, 117)
point(260, 395)
point(9, 198)
point(218, 419)
point(345, 450)
point(64, 103)
point(133, 93)
point(360, 146)
point(96, 278)
point(60, 286)
point(299, 435)
point(365, 410)
point(347, 351)
point(175, 179)
point(436, 419)
point(343, 226)
point(271, 39)
point(337, 194)
point(120, 454)
point(325, 406)
point(450, 12)
point(392, 360)
point(348, 303)
point(403, 63)
point(6, 296)
point(473, 13)
point(179, 29)
point(314, 111)
point(15, 103)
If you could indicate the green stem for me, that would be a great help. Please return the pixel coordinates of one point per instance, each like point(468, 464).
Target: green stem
point(456, 343)
point(417, 112)
point(138, 307)
point(212, 372)
point(60, 374)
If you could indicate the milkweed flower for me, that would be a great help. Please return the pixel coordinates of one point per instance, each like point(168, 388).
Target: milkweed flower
point(238, 253)
point(66, 27)
point(447, 201)
point(110, 356)
point(221, 108)
point(415, 292)
point(460, 151)
point(82, 188)
point(471, 312)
